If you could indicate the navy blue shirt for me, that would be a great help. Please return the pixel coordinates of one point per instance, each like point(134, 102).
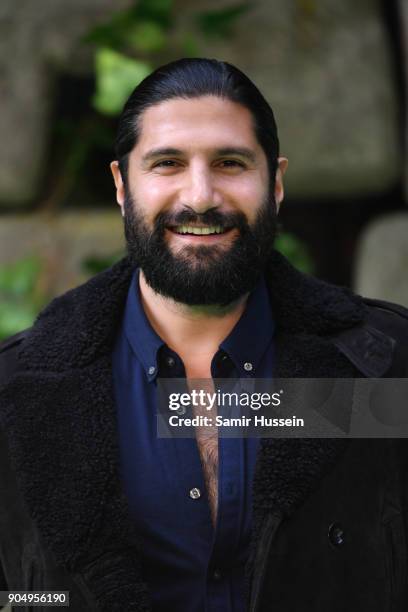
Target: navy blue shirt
point(190, 566)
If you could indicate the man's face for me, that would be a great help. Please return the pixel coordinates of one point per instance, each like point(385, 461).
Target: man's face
point(199, 216)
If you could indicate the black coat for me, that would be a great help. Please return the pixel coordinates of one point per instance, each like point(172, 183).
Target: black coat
point(330, 516)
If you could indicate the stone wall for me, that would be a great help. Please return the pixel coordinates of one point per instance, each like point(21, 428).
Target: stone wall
point(37, 40)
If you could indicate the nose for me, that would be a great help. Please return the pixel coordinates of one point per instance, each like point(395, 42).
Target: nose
point(199, 192)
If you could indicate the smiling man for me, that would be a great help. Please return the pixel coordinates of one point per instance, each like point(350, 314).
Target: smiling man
point(93, 500)
point(195, 193)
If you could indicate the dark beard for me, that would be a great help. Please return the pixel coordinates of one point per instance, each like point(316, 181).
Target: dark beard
point(204, 274)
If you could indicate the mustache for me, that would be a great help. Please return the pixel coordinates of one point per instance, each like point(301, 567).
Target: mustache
point(209, 217)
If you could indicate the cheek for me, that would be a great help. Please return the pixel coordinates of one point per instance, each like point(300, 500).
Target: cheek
point(147, 190)
point(250, 197)
point(152, 197)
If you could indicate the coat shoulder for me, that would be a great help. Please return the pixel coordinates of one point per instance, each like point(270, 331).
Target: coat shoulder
point(392, 320)
point(388, 318)
point(388, 308)
point(378, 346)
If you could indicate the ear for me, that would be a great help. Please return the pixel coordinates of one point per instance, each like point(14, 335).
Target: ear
point(279, 190)
point(120, 188)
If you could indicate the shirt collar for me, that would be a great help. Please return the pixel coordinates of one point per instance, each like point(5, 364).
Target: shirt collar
point(143, 339)
point(245, 345)
point(251, 336)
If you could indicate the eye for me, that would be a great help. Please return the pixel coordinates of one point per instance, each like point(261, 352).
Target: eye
point(166, 163)
point(232, 163)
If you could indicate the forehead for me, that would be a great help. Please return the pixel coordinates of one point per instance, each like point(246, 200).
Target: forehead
point(208, 122)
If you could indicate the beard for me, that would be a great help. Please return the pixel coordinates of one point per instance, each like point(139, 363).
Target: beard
point(202, 274)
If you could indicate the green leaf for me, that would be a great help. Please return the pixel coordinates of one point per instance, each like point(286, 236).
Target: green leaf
point(116, 77)
point(146, 37)
point(219, 23)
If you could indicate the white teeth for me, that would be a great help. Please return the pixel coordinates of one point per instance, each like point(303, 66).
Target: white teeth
point(189, 229)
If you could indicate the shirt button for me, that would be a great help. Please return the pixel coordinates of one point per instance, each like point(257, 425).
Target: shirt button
point(248, 366)
point(170, 361)
point(336, 534)
point(195, 493)
point(151, 370)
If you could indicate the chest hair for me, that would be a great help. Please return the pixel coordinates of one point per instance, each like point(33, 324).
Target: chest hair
point(207, 442)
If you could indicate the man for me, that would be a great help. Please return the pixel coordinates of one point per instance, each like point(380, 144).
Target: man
point(93, 501)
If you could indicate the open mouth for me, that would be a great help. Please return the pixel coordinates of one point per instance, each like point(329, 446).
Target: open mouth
point(194, 230)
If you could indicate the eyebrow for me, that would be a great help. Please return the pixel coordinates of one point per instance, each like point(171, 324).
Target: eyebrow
point(248, 154)
point(161, 152)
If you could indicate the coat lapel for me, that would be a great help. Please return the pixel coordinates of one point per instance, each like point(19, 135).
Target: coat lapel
point(60, 419)
point(307, 312)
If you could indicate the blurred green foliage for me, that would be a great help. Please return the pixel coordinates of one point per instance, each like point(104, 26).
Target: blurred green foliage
point(296, 251)
point(116, 75)
point(135, 41)
point(21, 297)
point(127, 47)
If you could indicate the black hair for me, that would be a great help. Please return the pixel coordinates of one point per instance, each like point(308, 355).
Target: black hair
point(193, 78)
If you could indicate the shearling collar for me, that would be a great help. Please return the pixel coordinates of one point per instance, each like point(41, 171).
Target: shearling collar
point(81, 325)
point(60, 418)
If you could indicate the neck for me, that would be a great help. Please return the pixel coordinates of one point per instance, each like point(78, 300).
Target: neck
point(189, 330)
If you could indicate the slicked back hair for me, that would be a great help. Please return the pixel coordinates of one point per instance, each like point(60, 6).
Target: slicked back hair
point(194, 78)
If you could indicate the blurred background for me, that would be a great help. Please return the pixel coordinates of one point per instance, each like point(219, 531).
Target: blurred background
point(335, 73)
